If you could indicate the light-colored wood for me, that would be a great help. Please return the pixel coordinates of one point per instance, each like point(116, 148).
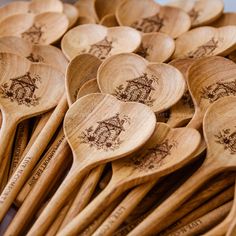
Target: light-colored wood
point(82, 20)
point(217, 201)
point(202, 12)
point(40, 6)
point(165, 83)
point(156, 47)
point(30, 159)
point(90, 86)
point(21, 140)
point(205, 78)
point(137, 123)
point(105, 7)
point(232, 229)
point(227, 18)
point(206, 41)
point(219, 118)
point(109, 21)
point(44, 28)
point(91, 38)
point(150, 17)
point(45, 54)
point(33, 201)
point(142, 166)
point(182, 112)
point(71, 12)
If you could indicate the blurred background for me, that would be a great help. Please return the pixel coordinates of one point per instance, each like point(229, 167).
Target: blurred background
point(230, 5)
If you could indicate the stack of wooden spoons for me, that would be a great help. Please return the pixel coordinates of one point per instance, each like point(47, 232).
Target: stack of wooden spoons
point(117, 118)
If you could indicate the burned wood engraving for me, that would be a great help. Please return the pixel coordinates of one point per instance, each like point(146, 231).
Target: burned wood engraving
point(21, 90)
point(149, 24)
point(154, 157)
point(206, 49)
point(100, 49)
point(227, 138)
point(106, 135)
point(194, 15)
point(35, 58)
point(34, 34)
point(218, 90)
point(137, 90)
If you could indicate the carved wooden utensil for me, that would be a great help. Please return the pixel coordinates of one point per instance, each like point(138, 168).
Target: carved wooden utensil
point(99, 128)
point(44, 28)
point(219, 132)
point(100, 41)
point(46, 54)
point(165, 151)
point(206, 41)
point(227, 18)
point(182, 112)
point(156, 47)
point(71, 12)
point(130, 77)
point(109, 21)
point(150, 17)
point(202, 12)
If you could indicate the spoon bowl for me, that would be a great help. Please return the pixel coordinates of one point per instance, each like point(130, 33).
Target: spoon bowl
point(109, 21)
point(90, 86)
point(227, 18)
point(130, 77)
point(99, 41)
point(71, 12)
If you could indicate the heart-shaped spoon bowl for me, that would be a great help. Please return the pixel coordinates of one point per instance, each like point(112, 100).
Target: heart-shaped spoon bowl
point(206, 41)
point(46, 54)
point(149, 17)
point(99, 41)
point(156, 47)
point(202, 12)
point(44, 28)
point(227, 18)
point(130, 77)
point(80, 70)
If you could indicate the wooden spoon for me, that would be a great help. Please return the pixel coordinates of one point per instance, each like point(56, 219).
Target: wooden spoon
point(109, 21)
point(44, 28)
point(206, 41)
point(99, 41)
point(71, 12)
point(46, 54)
point(202, 12)
point(91, 86)
point(86, 118)
point(150, 17)
point(182, 112)
point(130, 77)
point(227, 18)
point(166, 151)
point(218, 125)
point(156, 47)
point(208, 80)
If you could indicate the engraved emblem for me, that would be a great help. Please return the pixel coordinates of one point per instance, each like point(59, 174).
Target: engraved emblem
point(228, 139)
point(206, 49)
point(194, 14)
point(137, 90)
point(143, 51)
point(22, 90)
point(149, 24)
point(35, 58)
point(218, 90)
point(34, 34)
point(154, 157)
point(187, 100)
point(100, 49)
point(106, 135)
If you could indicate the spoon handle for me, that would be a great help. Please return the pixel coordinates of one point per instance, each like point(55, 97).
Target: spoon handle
point(117, 217)
point(97, 206)
point(154, 221)
point(84, 195)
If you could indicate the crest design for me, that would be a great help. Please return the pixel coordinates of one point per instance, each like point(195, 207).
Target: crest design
point(218, 90)
point(149, 24)
point(187, 100)
point(154, 157)
point(228, 139)
point(33, 34)
point(194, 14)
point(143, 51)
point(21, 90)
point(35, 58)
point(137, 90)
point(106, 135)
point(100, 49)
point(206, 49)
